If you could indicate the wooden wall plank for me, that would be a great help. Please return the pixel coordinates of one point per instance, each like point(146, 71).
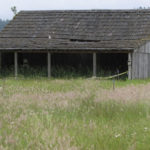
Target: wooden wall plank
point(148, 65)
point(134, 66)
point(140, 66)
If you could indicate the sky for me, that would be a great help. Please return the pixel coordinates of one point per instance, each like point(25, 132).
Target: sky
point(6, 13)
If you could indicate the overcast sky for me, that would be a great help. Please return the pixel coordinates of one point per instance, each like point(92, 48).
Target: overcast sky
point(5, 5)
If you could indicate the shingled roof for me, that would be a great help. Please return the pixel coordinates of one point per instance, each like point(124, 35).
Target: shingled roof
point(76, 29)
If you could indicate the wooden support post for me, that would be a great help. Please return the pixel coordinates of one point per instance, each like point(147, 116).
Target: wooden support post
point(129, 66)
point(16, 64)
point(94, 64)
point(0, 61)
point(49, 64)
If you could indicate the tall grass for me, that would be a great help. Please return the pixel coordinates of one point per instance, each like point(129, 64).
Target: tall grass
point(73, 115)
point(57, 72)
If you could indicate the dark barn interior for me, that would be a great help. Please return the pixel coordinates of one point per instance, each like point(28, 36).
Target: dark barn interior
point(111, 63)
point(67, 64)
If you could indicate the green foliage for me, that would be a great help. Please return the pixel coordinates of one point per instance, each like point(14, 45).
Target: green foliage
point(61, 72)
point(3, 23)
point(14, 10)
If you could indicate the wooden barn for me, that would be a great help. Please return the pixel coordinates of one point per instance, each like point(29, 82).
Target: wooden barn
point(123, 35)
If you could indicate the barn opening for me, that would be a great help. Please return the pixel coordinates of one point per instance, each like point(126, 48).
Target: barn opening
point(112, 64)
point(66, 64)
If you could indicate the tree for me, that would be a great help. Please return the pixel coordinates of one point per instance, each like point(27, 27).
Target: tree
point(14, 10)
point(3, 23)
point(143, 7)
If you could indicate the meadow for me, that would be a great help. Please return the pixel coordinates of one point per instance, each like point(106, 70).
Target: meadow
point(74, 114)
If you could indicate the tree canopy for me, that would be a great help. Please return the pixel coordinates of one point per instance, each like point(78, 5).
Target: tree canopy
point(3, 23)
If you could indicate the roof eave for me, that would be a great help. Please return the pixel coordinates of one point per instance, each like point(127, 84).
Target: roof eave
point(68, 49)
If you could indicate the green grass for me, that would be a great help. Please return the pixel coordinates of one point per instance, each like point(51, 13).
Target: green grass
point(68, 114)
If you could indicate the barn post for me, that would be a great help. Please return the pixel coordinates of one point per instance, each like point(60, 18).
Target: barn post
point(49, 64)
point(0, 61)
point(94, 64)
point(129, 66)
point(16, 63)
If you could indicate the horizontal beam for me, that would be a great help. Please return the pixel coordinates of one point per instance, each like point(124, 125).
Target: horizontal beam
point(66, 51)
point(76, 49)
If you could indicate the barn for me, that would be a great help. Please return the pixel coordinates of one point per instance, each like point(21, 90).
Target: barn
point(118, 38)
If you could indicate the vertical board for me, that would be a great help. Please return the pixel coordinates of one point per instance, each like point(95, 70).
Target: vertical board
point(147, 48)
point(140, 66)
point(133, 66)
point(148, 65)
point(137, 65)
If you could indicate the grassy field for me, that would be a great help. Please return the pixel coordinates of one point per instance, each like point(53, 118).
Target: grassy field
point(75, 114)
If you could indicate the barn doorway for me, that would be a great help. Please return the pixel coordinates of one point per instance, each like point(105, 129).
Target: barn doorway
point(111, 63)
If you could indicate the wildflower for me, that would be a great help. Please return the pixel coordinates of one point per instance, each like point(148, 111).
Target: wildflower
point(133, 134)
point(145, 128)
point(12, 123)
point(25, 134)
point(117, 135)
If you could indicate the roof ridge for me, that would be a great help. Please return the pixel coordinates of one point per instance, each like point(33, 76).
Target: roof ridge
point(90, 10)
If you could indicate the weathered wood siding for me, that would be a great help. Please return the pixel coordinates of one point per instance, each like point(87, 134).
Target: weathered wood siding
point(141, 62)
